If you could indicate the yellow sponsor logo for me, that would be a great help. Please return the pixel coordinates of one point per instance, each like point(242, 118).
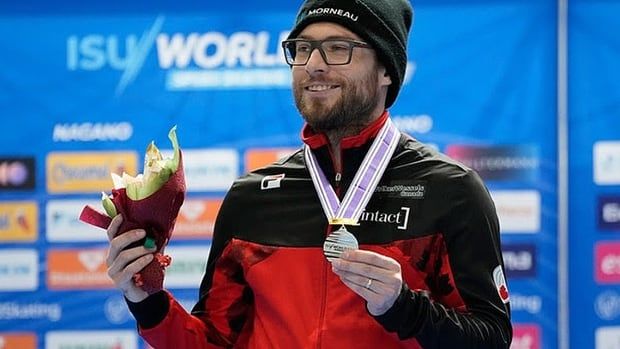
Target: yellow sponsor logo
point(87, 172)
point(19, 221)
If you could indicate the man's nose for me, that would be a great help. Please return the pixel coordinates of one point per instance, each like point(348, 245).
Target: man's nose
point(316, 63)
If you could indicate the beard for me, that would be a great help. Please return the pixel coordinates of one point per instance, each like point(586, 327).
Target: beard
point(350, 113)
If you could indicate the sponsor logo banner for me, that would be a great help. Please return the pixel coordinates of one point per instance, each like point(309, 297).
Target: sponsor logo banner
point(608, 337)
point(607, 163)
point(192, 61)
point(209, 169)
point(499, 163)
point(609, 213)
point(77, 269)
point(17, 173)
point(13, 311)
point(519, 211)
point(196, 218)
point(18, 341)
point(19, 270)
point(19, 221)
point(187, 267)
point(412, 124)
point(526, 336)
point(531, 304)
point(63, 225)
point(91, 339)
point(116, 311)
point(607, 259)
point(519, 260)
point(86, 172)
point(257, 158)
point(607, 305)
point(92, 132)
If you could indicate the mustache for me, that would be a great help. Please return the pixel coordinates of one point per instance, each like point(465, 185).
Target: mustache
point(306, 82)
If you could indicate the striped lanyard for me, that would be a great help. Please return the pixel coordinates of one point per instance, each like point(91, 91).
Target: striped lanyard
point(364, 183)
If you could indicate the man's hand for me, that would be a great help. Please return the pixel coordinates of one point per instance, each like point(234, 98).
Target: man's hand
point(374, 277)
point(122, 265)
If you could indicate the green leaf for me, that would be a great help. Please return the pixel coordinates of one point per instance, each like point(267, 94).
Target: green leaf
point(108, 205)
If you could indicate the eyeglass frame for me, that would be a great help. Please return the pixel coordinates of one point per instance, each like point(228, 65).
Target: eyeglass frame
point(317, 44)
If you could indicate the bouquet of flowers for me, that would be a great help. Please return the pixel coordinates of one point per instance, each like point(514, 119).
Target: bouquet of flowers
point(149, 201)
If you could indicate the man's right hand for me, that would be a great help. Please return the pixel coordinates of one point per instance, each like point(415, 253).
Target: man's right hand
point(123, 264)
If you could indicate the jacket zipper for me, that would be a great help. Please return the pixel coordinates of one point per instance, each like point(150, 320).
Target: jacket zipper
point(326, 264)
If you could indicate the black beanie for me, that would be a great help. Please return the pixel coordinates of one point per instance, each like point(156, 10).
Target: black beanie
point(384, 24)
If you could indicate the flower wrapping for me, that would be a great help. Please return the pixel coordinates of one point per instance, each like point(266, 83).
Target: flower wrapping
point(150, 202)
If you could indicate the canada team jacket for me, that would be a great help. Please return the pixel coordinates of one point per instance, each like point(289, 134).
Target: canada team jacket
point(268, 285)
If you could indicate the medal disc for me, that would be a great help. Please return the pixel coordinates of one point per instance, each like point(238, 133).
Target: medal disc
point(337, 242)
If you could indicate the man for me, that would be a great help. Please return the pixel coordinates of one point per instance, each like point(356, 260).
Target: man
point(428, 272)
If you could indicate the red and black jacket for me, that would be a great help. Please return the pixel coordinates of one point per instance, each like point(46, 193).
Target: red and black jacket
point(268, 285)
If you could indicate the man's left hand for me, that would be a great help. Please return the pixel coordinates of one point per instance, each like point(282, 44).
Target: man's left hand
point(374, 277)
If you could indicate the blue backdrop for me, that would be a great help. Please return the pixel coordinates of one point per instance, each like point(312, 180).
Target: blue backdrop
point(85, 87)
point(594, 98)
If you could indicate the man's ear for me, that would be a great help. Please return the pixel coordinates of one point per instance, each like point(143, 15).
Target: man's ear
point(384, 77)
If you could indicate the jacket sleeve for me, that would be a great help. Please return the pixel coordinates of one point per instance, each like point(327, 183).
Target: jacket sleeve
point(472, 245)
point(218, 317)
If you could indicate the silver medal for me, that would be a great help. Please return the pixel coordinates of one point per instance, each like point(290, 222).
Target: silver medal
point(337, 242)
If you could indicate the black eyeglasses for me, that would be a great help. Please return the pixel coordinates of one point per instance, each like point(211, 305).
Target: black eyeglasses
point(334, 52)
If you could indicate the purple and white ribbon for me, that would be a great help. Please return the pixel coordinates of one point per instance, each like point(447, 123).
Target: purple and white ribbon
point(364, 183)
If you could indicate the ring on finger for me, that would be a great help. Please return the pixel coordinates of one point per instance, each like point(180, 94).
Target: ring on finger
point(368, 283)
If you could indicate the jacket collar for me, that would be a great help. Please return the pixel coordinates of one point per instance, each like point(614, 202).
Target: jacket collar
point(317, 140)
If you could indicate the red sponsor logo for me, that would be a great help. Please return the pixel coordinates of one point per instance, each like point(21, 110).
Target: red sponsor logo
point(607, 262)
point(197, 218)
point(257, 158)
point(77, 269)
point(525, 336)
point(18, 341)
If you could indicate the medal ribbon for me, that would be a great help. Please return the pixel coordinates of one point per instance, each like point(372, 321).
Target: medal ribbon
point(364, 183)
